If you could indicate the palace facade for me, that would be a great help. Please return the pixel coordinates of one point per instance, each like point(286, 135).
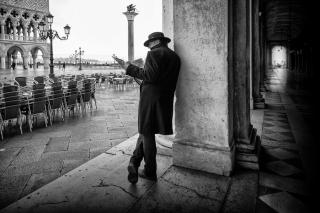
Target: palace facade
point(19, 21)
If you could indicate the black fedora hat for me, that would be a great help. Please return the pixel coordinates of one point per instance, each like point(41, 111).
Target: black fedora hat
point(156, 36)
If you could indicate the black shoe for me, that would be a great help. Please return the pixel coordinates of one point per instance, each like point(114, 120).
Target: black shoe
point(133, 173)
point(142, 174)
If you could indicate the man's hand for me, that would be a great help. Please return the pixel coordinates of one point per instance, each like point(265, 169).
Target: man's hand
point(121, 62)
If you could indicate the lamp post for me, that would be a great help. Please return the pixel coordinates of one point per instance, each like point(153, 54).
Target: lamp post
point(51, 34)
point(81, 52)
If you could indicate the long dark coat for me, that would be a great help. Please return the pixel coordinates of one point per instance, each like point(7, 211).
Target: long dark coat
point(159, 75)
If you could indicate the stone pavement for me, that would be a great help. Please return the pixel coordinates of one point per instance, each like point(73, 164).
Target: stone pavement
point(34, 159)
point(282, 185)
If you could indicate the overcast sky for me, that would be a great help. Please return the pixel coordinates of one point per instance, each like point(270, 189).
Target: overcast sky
point(100, 28)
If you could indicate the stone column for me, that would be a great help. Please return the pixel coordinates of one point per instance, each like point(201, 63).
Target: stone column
point(204, 104)
point(3, 62)
point(34, 61)
point(258, 101)
point(167, 21)
point(130, 17)
point(245, 136)
point(14, 25)
point(250, 51)
point(262, 54)
point(25, 62)
point(8, 63)
point(241, 71)
point(25, 33)
point(2, 23)
point(35, 31)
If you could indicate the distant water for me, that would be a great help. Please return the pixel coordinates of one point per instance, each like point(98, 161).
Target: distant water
point(69, 70)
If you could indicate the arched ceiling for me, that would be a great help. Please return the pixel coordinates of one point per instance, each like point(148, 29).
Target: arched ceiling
point(284, 19)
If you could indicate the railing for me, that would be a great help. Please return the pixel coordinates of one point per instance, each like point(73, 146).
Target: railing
point(10, 37)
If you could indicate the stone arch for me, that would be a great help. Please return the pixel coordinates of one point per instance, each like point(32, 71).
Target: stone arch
point(41, 48)
point(12, 52)
point(36, 58)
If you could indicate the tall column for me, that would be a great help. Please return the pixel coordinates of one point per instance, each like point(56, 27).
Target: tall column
point(3, 62)
point(258, 101)
point(241, 71)
point(245, 135)
point(35, 31)
point(25, 33)
point(130, 17)
point(250, 51)
point(34, 61)
point(262, 53)
point(14, 25)
point(25, 62)
point(167, 21)
point(204, 95)
point(2, 23)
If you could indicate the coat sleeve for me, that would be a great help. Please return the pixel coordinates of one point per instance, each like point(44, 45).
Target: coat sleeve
point(150, 71)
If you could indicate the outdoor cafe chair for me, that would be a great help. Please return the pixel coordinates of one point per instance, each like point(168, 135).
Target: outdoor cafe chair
point(85, 96)
point(10, 107)
point(37, 105)
point(93, 92)
point(43, 80)
point(71, 97)
point(56, 99)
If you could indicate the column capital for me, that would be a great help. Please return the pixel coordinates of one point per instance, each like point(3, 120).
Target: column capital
point(130, 15)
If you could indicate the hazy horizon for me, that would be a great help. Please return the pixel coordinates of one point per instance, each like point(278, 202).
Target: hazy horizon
point(100, 28)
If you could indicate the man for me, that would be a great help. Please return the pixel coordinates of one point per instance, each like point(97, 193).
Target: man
point(159, 75)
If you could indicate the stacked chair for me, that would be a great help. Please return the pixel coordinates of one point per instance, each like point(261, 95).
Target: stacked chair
point(56, 100)
point(71, 97)
point(25, 99)
point(10, 107)
point(37, 105)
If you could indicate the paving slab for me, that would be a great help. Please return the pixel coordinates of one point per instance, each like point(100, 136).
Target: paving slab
point(242, 193)
point(7, 155)
point(284, 203)
point(283, 183)
point(56, 144)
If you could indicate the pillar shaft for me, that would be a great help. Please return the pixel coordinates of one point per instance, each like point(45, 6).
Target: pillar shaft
point(3, 62)
point(204, 107)
point(25, 34)
point(35, 32)
point(130, 40)
point(256, 58)
point(167, 21)
point(25, 62)
point(130, 17)
point(14, 32)
point(241, 70)
point(2, 23)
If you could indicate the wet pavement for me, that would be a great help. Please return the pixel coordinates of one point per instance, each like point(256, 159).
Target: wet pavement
point(34, 159)
point(282, 184)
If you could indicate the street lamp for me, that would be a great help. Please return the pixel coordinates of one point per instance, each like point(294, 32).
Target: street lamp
point(51, 34)
point(81, 52)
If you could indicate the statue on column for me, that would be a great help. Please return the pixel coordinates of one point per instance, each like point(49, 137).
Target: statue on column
point(131, 8)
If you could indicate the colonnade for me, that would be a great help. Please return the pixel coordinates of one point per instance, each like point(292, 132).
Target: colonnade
point(22, 31)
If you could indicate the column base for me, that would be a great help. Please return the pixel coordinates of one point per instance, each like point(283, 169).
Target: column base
point(208, 159)
point(259, 103)
point(247, 154)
